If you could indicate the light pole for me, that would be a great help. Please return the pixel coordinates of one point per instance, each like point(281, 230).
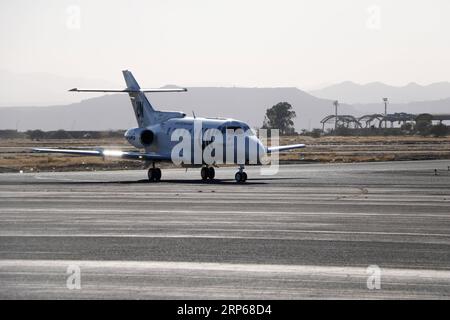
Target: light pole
point(385, 111)
point(336, 104)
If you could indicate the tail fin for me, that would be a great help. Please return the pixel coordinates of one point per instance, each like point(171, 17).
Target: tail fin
point(143, 110)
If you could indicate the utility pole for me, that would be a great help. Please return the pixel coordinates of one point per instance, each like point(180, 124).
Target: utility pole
point(336, 104)
point(385, 111)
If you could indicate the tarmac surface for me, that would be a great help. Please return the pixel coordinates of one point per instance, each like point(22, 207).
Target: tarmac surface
point(311, 231)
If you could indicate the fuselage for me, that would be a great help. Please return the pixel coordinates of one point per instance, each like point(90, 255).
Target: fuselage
point(164, 138)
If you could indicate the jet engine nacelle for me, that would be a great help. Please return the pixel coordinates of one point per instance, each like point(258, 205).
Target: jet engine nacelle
point(140, 137)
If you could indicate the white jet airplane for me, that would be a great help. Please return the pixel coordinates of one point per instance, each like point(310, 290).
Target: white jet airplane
point(155, 135)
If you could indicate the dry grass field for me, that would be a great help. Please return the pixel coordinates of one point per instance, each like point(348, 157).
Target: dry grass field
point(363, 149)
point(16, 155)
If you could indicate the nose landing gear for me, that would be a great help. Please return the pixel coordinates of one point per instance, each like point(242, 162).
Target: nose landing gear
point(240, 176)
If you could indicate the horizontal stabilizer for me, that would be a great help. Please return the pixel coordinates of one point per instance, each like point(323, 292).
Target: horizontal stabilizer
point(130, 90)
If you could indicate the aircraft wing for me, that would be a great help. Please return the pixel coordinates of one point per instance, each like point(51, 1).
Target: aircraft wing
point(106, 153)
point(285, 148)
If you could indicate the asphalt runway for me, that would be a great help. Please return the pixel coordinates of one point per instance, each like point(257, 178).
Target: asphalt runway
point(311, 231)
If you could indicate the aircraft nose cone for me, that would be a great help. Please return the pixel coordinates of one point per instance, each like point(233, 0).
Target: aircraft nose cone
point(256, 151)
point(261, 152)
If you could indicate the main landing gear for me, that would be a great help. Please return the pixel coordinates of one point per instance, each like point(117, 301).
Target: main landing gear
point(208, 173)
point(240, 176)
point(154, 174)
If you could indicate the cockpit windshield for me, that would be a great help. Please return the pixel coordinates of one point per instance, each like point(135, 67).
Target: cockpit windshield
point(236, 126)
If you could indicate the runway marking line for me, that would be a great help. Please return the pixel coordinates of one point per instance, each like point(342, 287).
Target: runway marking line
point(307, 270)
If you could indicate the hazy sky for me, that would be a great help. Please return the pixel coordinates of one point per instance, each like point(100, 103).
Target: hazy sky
point(232, 42)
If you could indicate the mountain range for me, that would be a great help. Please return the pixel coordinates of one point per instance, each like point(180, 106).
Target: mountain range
point(353, 93)
point(115, 112)
point(47, 105)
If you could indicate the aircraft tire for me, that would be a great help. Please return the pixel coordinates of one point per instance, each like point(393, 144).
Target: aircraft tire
point(157, 175)
point(204, 173)
point(211, 173)
point(151, 174)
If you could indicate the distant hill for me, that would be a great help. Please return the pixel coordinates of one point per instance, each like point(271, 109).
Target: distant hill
point(353, 93)
point(115, 112)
